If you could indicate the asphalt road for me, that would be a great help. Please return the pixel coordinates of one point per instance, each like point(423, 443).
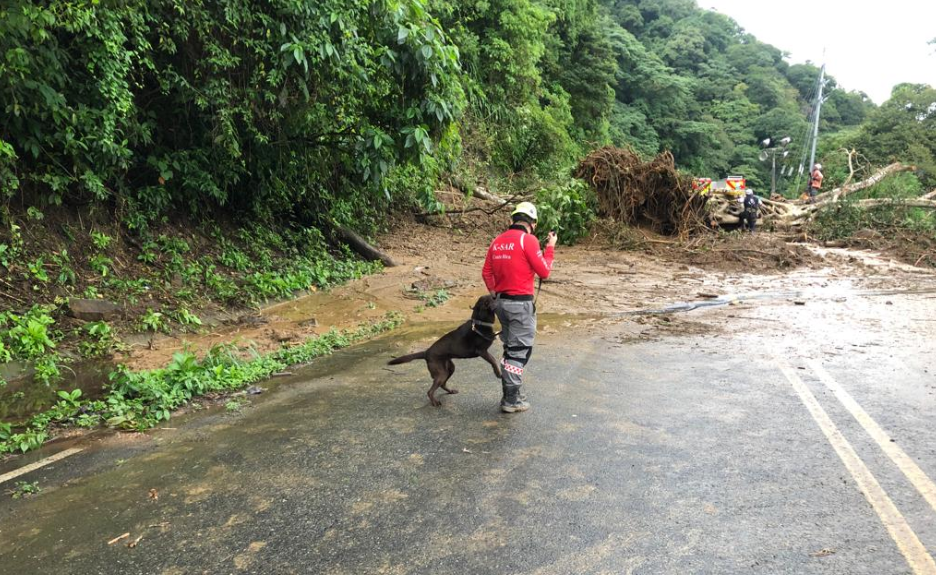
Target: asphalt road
point(771, 445)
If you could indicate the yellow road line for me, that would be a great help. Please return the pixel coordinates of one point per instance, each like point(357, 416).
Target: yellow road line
point(917, 477)
point(907, 541)
point(41, 463)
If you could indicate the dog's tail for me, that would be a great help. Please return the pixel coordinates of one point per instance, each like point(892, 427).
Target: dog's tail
point(407, 358)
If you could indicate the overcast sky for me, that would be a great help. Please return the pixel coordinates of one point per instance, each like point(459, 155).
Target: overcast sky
point(866, 49)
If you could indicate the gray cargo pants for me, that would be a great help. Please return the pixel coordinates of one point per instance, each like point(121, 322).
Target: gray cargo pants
point(518, 328)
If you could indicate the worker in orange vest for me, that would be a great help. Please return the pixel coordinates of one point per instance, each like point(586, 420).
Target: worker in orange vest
point(815, 182)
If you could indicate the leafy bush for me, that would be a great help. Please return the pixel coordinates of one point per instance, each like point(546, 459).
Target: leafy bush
point(24, 489)
point(28, 440)
point(98, 339)
point(28, 336)
point(568, 210)
point(844, 219)
point(153, 321)
point(187, 318)
point(101, 240)
point(436, 299)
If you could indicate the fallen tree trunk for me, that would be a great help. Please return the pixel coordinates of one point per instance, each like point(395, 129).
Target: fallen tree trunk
point(917, 203)
point(484, 195)
point(841, 192)
point(363, 248)
point(929, 196)
point(725, 211)
point(476, 191)
point(794, 214)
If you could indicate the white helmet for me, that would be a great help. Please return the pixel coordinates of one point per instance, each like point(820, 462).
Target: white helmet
point(525, 208)
point(818, 166)
point(749, 191)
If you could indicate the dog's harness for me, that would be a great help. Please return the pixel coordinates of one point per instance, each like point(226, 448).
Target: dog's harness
point(474, 327)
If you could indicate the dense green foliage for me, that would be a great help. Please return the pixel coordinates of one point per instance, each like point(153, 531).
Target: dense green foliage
point(327, 112)
point(903, 129)
point(284, 108)
point(844, 219)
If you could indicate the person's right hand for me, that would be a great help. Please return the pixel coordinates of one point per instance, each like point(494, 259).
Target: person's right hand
point(551, 240)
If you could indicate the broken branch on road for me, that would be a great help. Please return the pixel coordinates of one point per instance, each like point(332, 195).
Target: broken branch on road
point(119, 538)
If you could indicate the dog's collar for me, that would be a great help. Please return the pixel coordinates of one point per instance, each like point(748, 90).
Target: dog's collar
point(474, 327)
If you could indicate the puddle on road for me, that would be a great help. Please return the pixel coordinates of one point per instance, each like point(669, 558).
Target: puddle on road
point(820, 294)
point(713, 302)
point(22, 397)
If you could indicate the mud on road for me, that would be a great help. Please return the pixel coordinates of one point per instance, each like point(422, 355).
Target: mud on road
point(593, 279)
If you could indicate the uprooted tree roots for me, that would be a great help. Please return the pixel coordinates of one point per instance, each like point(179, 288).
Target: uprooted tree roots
point(634, 192)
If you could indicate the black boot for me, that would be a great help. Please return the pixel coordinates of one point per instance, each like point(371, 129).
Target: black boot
point(513, 400)
point(520, 394)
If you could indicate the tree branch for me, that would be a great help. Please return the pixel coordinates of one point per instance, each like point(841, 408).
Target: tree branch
point(851, 169)
point(918, 203)
point(837, 193)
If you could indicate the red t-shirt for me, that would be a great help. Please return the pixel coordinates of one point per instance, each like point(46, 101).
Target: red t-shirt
point(512, 260)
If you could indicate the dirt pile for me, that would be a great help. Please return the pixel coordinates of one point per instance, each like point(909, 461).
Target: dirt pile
point(909, 247)
point(643, 193)
point(759, 253)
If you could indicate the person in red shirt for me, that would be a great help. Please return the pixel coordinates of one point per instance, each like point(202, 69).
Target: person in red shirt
point(513, 259)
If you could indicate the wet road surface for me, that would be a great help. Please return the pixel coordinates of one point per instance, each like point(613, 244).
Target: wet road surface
point(736, 451)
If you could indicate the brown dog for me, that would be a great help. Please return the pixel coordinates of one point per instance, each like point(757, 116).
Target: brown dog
point(470, 339)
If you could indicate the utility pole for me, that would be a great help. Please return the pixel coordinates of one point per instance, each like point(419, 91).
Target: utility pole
point(815, 136)
point(779, 147)
point(773, 175)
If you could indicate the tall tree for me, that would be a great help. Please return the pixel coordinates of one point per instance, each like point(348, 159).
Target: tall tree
point(903, 129)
